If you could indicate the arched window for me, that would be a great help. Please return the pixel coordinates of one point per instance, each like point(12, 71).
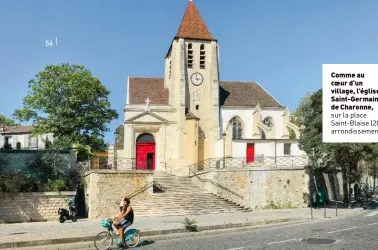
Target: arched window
point(237, 129)
point(268, 121)
point(145, 137)
point(190, 56)
point(18, 145)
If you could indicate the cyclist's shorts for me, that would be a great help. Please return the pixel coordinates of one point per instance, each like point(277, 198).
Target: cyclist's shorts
point(124, 223)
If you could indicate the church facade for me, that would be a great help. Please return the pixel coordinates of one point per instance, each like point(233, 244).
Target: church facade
point(191, 115)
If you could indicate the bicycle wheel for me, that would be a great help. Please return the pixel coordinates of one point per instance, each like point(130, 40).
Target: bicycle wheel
point(132, 238)
point(101, 239)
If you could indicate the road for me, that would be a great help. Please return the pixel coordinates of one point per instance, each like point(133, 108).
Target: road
point(358, 232)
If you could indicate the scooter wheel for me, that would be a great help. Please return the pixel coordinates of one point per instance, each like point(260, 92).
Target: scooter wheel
point(62, 219)
point(74, 219)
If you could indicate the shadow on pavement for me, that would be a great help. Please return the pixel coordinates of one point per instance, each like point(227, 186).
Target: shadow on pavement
point(146, 243)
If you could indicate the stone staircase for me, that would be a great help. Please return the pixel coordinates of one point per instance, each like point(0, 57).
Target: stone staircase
point(179, 196)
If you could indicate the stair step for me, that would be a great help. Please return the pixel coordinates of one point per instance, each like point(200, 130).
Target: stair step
point(171, 202)
point(181, 196)
point(152, 205)
point(184, 201)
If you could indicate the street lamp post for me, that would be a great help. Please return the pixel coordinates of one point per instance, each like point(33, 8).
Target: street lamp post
point(224, 149)
point(312, 180)
point(116, 133)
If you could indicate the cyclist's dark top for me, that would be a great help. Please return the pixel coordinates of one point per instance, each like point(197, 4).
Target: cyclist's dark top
point(130, 216)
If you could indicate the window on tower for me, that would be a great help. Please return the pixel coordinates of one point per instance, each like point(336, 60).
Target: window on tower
point(202, 56)
point(190, 56)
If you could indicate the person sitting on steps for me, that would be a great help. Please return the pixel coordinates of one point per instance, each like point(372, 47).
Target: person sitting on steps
point(124, 220)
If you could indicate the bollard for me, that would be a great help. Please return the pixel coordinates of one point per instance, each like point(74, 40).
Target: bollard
point(336, 208)
point(325, 216)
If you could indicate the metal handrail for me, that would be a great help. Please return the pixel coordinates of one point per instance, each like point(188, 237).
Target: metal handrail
point(258, 161)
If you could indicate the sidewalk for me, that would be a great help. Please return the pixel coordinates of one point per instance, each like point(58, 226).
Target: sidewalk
point(43, 233)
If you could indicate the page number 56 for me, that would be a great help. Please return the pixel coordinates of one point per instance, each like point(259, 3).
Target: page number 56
point(51, 43)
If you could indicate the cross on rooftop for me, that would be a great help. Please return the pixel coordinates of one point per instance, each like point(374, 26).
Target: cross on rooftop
point(148, 101)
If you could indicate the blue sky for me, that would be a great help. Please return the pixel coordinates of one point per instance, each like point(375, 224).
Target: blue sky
point(280, 44)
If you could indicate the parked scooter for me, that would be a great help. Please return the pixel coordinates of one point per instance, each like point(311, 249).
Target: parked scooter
point(68, 215)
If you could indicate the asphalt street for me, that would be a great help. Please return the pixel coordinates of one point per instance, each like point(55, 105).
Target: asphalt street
point(357, 232)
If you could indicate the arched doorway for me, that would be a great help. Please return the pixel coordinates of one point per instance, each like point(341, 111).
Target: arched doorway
point(145, 152)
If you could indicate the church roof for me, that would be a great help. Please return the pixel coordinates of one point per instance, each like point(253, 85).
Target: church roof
point(141, 88)
point(245, 94)
point(231, 93)
point(190, 116)
point(192, 25)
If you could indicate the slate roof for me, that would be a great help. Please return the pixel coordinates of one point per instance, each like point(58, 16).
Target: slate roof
point(193, 26)
point(231, 93)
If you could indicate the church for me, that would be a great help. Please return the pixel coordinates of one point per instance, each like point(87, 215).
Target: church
point(191, 115)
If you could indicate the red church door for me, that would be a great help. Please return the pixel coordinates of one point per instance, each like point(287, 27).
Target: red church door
point(250, 152)
point(145, 152)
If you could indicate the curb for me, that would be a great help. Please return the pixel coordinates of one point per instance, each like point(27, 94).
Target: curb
point(166, 232)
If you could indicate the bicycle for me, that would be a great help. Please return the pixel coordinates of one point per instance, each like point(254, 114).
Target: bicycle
point(131, 235)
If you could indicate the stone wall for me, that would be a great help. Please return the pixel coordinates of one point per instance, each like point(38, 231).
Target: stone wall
point(105, 188)
point(257, 188)
point(28, 207)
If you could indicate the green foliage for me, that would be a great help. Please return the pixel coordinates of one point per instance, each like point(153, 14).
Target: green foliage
point(309, 114)
point(298, 115)
point(18, 182)
point(272, 205)
point(190, 225)
point(55, 186)
point(329, 155)
point(68, 101)
point(47, 171)
point(4, 121)
point(83, 152)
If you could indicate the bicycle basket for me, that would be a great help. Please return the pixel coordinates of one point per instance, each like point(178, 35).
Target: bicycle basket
point(107, 223)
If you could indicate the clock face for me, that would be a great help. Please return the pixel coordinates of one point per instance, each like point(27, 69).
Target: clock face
point(196, 79)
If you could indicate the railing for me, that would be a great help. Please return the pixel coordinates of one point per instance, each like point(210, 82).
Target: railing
point(146, 187)
point(258, 161)
point(120, 163)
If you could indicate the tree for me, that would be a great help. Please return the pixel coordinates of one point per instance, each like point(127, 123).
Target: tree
point(68, 101)
point(309, 114)
point(4, 121)
point(299, 114)
point(345, 156)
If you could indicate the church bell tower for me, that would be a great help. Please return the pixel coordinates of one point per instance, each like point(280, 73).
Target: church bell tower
point(192, 75)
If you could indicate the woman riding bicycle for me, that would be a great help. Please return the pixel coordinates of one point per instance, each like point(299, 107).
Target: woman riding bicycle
point(124, 220)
